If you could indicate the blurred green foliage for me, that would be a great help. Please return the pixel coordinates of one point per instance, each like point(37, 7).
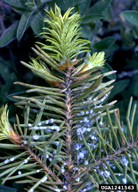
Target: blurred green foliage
point(5, 189)
point(32, 15)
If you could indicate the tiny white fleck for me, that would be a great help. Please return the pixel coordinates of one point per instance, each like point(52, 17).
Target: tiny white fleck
point(38, 170)
point(78, 146)
point(55, 127)
point(35, 127)
point(62, 170)
point(91, 111)
point(104, 165)
point(85, 120)
point(57, 143)
point(46, 122)
point(6, 161)
point(100, 172)
point(51, 120)
point(35, 137)
point(77, 179)
point(124, 180)
point(125, 161)
point(100, 123)
point(84, 129)
point(80, 155)
point(64, 187)
point(93, 137)
point(44, 179)
point(12, 159)
point(47, 155)
point(25, 161)
point(82, 112)
point(57, 190)
point(119, 174)
point(88, 129)
point(29, 124)
point(108, 162)
point(86, 162)
point(50, 158)
point(90, 98)
point(106, 173)
point(106, 95)
point(19, 172)
point(25, 142)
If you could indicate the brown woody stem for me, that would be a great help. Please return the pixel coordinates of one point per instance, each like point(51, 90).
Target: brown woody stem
point(69, 132)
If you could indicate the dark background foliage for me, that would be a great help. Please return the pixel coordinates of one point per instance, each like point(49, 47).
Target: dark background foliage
point(102, 22)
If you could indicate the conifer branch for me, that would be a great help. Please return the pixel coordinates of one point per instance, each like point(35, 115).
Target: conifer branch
point(71, 139)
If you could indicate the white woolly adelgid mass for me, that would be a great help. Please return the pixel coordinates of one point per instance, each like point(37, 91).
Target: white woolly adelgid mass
point(69, 139)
